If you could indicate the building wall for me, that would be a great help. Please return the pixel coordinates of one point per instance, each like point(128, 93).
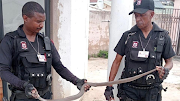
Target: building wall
point(177, 4)
point(107, 7)
point(69, 31)
point(98, 31)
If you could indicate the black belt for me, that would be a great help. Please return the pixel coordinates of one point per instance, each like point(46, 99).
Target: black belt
point(21, 94)
point(141, 87)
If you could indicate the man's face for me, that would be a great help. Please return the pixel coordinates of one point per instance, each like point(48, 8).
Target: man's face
point(34, 23)
point(143, 20)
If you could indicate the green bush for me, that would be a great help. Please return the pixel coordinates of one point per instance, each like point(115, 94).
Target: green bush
point(94, 55)
point(89, 57)
point(103, 54)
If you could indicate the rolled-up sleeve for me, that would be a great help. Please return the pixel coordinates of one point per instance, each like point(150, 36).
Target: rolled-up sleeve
point(120, 47)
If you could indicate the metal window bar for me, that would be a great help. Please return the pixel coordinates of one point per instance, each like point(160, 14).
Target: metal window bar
point(170, 21)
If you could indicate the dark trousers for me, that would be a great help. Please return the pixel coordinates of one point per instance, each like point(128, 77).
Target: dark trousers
point(134, 94)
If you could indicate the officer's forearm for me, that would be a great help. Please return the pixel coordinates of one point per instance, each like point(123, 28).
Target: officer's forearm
point(7, 76)
point(67, 75)
point(168, 63)
point(115, 67)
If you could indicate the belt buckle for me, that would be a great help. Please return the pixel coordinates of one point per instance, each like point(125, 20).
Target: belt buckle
point(150, 79)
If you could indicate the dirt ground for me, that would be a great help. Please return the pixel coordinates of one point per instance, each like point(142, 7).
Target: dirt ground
point(97, 72)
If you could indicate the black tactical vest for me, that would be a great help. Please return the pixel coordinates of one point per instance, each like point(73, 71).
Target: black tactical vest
point(25, 63)
point(135, 65)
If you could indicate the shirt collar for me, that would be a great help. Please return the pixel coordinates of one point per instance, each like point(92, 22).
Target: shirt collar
point(156, 28)
point(22, 34)
point(20, 31)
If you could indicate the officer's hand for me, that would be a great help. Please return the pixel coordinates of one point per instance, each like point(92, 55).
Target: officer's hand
point(80, 83)
point(109, 93)
point(30, 90)
point(163, 72)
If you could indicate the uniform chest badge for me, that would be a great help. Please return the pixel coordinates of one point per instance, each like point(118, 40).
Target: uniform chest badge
point(135, 44)
point(23, 45)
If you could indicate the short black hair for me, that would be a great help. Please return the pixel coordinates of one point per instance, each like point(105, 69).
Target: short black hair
point(30, 7)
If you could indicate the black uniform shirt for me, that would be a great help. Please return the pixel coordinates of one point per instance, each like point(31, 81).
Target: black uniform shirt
point(6, 54)
point(167, 53)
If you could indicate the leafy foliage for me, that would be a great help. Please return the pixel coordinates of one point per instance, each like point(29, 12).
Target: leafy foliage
point(103, 54)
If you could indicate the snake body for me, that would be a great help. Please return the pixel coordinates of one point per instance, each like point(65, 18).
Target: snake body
point(74, 97)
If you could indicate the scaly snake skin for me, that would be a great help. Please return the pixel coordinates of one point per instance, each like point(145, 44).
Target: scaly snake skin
point(74, 97)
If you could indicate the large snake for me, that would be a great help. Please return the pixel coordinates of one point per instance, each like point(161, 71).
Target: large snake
point(74, 97)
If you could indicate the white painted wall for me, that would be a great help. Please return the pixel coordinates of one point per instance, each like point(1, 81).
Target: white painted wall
point(79, 39)
point(100, 4)
point(177, 4)
point(121, 21)
point(70, 28)
point(64, 36)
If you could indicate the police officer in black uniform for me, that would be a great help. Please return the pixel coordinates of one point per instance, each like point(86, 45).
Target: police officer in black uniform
point(27, 56)
point(144, 45)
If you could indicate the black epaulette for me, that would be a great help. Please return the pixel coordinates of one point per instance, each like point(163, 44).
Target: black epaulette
point(131, 32)
point(13, 34)
point(129, 35)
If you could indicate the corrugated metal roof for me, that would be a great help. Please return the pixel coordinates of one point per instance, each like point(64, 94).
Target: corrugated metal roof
point(107, 2)
point(93, 0)
point(158, 4)
point(156, 0)
point(163, 0)
point(97, 0)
